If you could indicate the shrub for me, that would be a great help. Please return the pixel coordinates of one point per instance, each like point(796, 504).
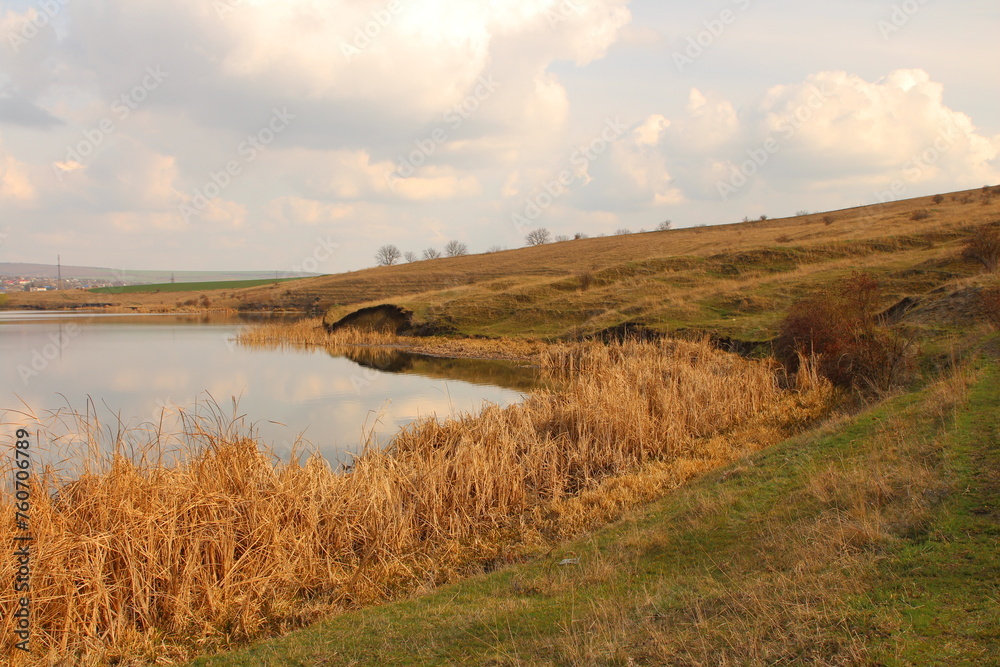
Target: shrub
point(842, 329)
point(984, 247)
point(938, 199)
point(829, 219)
point(784, 238)
point(920, 214)
point(586, 280)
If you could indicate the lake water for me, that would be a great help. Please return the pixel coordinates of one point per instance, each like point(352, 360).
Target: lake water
point(138, 367)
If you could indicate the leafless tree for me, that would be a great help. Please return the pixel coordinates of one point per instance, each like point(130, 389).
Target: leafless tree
point(538, 236)
point(494, 248)
point(561, 238)
point(622, 231)
point(431, 253)
point(456, 248)
point(410, 256)
point(665, 226)
point(387, 255)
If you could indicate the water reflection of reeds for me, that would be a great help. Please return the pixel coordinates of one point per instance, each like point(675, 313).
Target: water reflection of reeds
point(390, 353)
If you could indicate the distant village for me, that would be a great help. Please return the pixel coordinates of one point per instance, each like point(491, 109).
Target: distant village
point(25, 284)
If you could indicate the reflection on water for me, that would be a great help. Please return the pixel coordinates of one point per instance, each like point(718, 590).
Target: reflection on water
point(474, 371)
point(133, 367)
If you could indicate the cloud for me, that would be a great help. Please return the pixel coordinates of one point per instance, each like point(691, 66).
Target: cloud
point(15, 186)
point(289, 210)
point(831, 130)
point(18, 111)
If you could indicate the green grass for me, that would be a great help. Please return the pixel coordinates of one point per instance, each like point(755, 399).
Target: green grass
point(873, 540)
point(190, 287)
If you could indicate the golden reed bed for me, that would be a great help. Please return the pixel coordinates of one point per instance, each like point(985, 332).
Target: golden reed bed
point(310, 333)
point(153, 561)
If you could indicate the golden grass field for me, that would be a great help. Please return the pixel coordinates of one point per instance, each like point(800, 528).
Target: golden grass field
point(175, 543)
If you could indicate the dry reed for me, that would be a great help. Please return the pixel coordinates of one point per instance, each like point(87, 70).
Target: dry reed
point(151, 555)
point(311, 333)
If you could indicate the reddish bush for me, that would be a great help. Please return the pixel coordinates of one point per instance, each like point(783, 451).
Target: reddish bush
point(842, 328)
point(984, 247)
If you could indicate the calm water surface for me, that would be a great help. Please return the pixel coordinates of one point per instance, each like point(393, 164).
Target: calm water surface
point(133, 367)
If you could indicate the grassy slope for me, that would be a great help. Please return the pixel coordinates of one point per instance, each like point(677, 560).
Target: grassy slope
point(871, 541)
point(729, 278)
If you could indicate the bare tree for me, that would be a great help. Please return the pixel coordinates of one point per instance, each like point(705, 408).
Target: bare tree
point(431, 253)
point(665, 226)
point(622, 231)
point(455, 249)
point(410, 256)
point(387, 255)
point(561, 238)
point(538, 236)
point(580, 235)
point(494, 248)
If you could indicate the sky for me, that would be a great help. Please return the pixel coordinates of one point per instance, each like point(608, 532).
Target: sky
point(301, 135)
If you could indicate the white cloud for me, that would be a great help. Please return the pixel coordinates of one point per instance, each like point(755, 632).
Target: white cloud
point(15, 187)
point(290, 210)
point(832, 130)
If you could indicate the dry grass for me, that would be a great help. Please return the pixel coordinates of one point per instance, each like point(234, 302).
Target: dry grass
point(436, 283)
point(168, 546)
point(310, 333)
point(787, 595)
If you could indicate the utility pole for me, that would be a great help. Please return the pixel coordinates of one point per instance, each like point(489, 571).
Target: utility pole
point(59, 269)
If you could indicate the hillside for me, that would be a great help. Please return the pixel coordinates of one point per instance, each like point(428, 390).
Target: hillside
point(734, 279)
